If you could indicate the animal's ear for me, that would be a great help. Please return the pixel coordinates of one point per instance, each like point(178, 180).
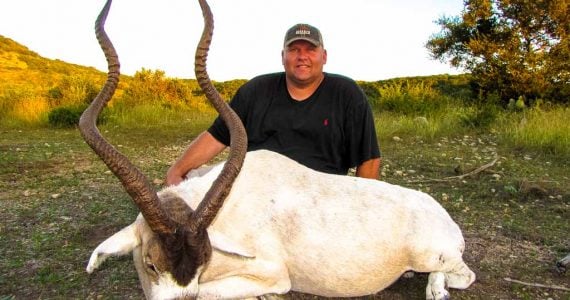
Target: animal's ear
point(120, 243)
point(224, 244)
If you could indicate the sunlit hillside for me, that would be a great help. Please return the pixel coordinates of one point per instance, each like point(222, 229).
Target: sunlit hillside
point(19, 66)
point(40, 92)
point(30, 85)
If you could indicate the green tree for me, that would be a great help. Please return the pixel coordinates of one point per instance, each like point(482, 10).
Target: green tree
point(148, 86)
point(511, 47)
point(73, 90)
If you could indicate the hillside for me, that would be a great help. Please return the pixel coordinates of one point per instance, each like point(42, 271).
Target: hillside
point(20, 66)
point(31, 86)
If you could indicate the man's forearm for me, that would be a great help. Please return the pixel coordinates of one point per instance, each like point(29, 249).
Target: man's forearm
point(369, 169)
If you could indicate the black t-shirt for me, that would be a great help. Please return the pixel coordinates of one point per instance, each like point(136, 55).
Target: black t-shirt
point(331, 131)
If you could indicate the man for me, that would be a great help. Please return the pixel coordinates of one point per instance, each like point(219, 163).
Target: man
point(321, 120)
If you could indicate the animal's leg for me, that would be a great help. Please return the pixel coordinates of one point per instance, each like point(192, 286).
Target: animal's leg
point(242, 286)
point(460, 276)
point(435, 289)
point(448, 270)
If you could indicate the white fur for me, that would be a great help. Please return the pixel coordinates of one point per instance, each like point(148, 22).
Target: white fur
point(286, 227)
point(566, 260)
point(167, 288)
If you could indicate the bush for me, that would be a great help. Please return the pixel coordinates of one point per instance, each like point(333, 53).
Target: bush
point(410, 98)
point(67, 117)
point(480, 118)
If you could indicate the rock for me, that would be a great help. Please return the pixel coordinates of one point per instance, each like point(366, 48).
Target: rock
point(421, 121)
point(532, 189)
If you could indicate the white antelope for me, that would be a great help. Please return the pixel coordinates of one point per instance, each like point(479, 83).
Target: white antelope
point(261, 223)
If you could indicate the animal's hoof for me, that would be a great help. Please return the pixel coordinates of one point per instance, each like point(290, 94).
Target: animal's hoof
point(560, 268)
point(563, 264)
point(439, 296)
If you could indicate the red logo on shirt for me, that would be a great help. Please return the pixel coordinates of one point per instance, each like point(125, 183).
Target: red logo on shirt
point(326, 122)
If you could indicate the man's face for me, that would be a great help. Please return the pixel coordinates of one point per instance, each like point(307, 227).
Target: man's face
point(303, 61)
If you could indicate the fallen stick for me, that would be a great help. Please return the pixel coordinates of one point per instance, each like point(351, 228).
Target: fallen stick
point(553, 287)
point(474, 172)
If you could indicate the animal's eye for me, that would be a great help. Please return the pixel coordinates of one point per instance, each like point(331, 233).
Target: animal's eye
point(152, 268)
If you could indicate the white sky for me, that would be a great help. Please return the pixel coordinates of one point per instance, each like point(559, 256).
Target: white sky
point(365, 39)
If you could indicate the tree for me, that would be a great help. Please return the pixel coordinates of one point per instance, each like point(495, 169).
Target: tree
point(152, 86)
point(511, 47)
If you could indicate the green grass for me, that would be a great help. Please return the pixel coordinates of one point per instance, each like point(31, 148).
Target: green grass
point(430, 127)
point(158, 116)
point(541, 130)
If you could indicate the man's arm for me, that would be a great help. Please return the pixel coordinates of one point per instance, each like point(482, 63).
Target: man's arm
point(200, 151)
point(369, 169)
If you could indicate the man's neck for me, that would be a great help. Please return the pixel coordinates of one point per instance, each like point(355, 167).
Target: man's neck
point(301, 91)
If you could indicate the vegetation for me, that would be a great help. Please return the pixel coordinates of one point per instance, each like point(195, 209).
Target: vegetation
point(59, 201)
point(40, 92)
point(511, 47)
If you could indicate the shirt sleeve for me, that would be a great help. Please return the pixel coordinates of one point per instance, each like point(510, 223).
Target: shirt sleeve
point(362, 141)
point(218, 129)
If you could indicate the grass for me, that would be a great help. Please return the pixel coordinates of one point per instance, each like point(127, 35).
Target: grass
point(58, 201)
point(151, 116)
point(542, 130)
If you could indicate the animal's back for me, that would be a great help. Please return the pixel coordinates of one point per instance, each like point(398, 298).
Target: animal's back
point(321, 223)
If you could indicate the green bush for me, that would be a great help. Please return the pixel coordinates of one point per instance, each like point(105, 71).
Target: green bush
point(67, 117)
point(410, 97)
point(480, 118)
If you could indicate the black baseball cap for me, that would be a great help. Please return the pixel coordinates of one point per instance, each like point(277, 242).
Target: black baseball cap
point(303, 32)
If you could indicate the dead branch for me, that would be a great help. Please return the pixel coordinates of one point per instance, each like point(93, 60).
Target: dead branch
point(474, 172)
point(553, 287)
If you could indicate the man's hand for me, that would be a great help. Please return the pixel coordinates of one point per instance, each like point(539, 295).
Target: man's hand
point(200, 151)
point(173, 177)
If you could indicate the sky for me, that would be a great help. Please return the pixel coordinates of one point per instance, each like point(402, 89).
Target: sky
point(365, 39)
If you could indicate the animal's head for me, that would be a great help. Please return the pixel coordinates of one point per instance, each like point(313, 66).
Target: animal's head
point(169, 265)
point(169, 240)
